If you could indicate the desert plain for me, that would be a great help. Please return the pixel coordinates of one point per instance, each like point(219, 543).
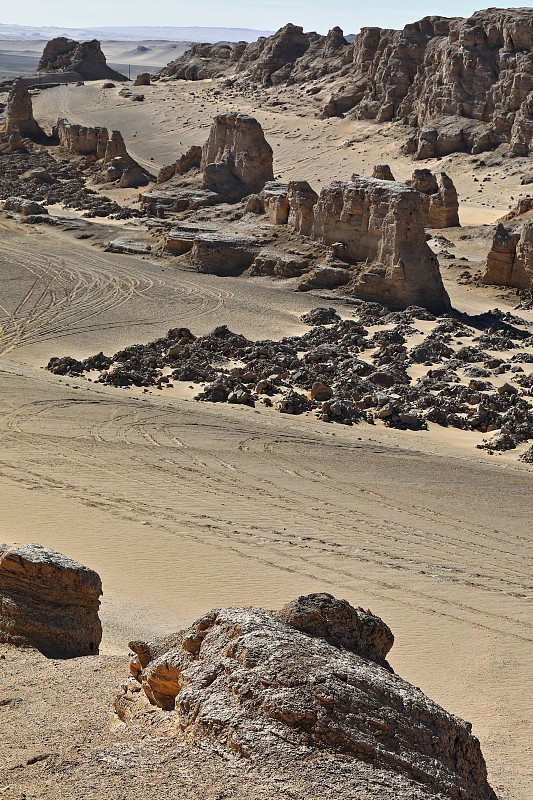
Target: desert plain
point(183, 506)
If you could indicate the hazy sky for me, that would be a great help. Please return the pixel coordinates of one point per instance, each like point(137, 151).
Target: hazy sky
point(317, 15)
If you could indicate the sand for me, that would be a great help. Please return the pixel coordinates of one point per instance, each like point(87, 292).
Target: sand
point(182, 506)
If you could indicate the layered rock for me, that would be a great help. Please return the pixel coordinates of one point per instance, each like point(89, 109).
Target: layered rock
point(97, 144)
point(86, 59)
point(302, 200)
point(465, 84)
point(380, 223)
point(308, 682)
point(82, 140)
point(142, 79)
point(441, 201)
point(236, 159)
point(49, 602)
point(19, 114)
point(510, 260)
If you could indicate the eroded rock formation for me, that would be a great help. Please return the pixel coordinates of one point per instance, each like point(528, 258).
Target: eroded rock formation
point(380, 225)
point(383, 172)
point(49, 602)
point(185, 163)
point(464, 84)
point(510, 260)
point(19, 118)
point(98, 145)
point(440, 195)
point(82, 140)
point(236, 159)
point(308, 680)
point(86, 59)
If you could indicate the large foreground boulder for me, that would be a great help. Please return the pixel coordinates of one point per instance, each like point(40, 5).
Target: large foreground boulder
point(49, 602)
point(380, 224)
point(308, 685)
point(86, 59)
point(236, 159)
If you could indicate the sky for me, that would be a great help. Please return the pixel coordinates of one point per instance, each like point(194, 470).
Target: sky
point(319, 15)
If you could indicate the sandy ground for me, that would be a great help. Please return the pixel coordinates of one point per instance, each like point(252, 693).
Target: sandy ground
point(182, 507)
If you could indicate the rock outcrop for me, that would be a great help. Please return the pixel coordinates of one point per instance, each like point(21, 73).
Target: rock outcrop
point(142, 79)
point(86, 59)
point(49, 602)
point(19, 114)
point(98, 145)
point(302, 200)
point(465, 84)
point(442, 203)
point(510, 260)
point(380, 224)
point(82, 140)
point(383, 173)
point(308, 682)
point(185, 163)
point(236, 159)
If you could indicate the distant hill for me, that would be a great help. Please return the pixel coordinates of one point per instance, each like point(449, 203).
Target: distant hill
point(131, 33)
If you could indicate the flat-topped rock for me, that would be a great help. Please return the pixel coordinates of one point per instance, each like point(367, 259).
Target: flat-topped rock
point(49, 602)
point(86, 59)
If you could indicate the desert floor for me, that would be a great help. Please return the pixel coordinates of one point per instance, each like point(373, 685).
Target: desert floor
point(182, 506)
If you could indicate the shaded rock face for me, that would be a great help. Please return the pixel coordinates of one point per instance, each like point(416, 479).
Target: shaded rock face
point(302, 199)
point(236, 159)
point(340, 624)
point(97, 144)
point(271, 56)
point(510, 260)
point(185, 163)
point(49, 602)
point(266, 685)
point(442, 204)
point(380, 223)
point(84, 58)
point(19, 118)
point(142, 79)
point(383, 173)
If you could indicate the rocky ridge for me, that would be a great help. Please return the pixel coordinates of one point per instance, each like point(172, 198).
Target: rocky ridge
point(309, 679)
point(464, 84)
point(49, 602)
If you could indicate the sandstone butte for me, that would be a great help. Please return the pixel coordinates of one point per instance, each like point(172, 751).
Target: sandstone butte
point(463, 84)
point(49, 602)
point(308, 692)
